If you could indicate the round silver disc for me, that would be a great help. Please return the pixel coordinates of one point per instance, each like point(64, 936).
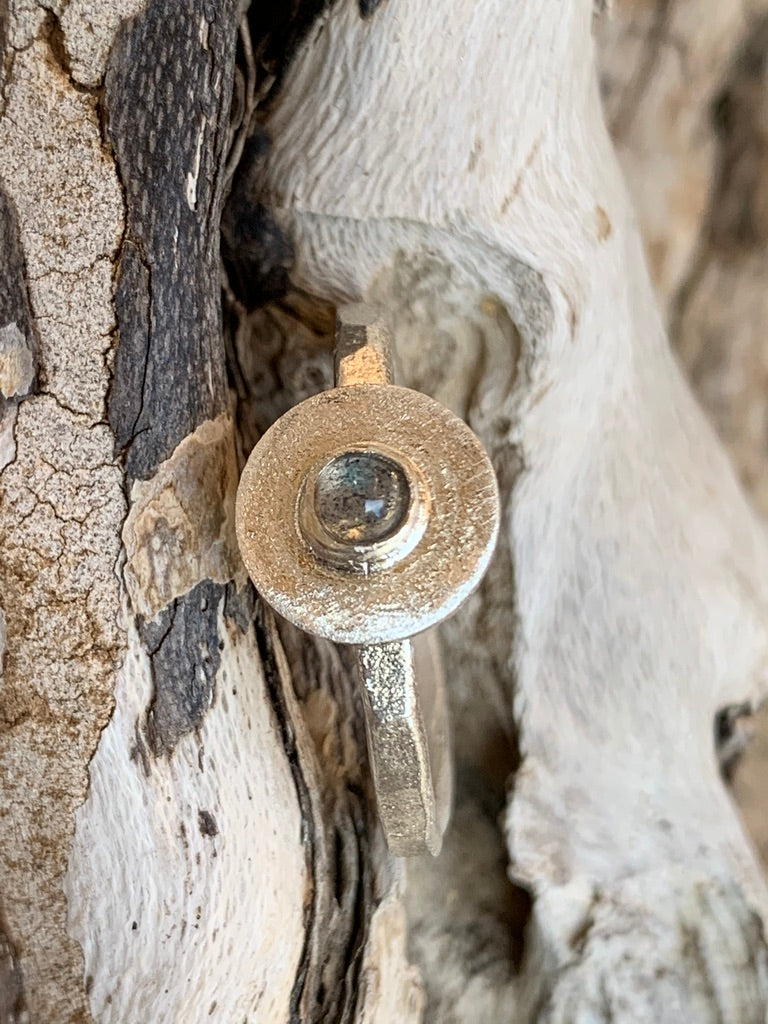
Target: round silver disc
point(434, 576)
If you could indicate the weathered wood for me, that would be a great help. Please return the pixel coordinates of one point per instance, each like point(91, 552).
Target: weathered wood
point(694, 154)
point(187, 829)
point(167, 99)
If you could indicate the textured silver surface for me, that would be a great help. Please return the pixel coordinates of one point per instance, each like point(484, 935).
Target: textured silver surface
point(421, 589)
point(408, 741)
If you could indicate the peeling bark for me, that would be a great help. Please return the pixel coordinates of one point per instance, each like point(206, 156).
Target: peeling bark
point(167, 100)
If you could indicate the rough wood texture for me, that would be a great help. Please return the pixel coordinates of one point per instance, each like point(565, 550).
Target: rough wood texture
point(693, 126)
point(167, 101)
point(61, 504)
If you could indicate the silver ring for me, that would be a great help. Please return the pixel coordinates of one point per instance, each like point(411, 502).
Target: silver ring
point(366, 515)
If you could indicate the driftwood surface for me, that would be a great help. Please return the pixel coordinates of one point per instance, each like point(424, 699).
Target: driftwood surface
point(685, 88)
point(187, 829)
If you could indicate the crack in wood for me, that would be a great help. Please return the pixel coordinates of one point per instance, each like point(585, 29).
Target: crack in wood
point(265, 637)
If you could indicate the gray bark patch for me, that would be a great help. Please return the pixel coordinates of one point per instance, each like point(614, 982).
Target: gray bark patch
point(183, 646)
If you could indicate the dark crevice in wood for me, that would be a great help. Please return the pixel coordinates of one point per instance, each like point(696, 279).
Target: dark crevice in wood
point(257, 255)
point(14, 294)
point(277, 31)
point(265, 634)
point(368, 7)
point(348, 839)
point(731, 734)
point(13, 1001)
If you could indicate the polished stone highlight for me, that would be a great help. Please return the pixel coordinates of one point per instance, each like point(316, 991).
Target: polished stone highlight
point(361, 497)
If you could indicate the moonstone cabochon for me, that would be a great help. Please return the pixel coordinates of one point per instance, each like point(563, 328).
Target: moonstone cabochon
point(433, 579)
point(361, 497)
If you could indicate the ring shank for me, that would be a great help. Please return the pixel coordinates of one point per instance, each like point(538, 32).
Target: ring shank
point(408, 741)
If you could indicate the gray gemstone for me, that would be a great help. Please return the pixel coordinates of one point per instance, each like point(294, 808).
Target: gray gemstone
point(361, 497)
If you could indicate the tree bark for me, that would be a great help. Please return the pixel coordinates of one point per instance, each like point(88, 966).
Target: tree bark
point(188, 829)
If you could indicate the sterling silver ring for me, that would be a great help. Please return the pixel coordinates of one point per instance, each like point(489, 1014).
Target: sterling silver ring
point(366, 515)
